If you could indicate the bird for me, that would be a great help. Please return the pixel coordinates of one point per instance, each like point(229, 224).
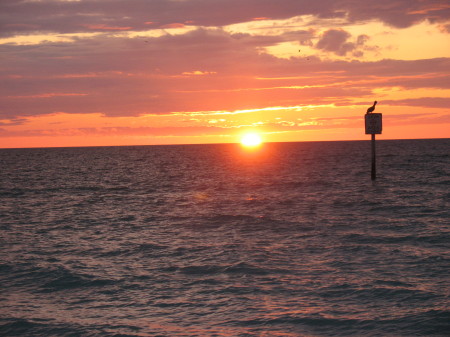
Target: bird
point(372, 108)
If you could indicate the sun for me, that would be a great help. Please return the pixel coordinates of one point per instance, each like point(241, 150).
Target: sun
point(251, 140)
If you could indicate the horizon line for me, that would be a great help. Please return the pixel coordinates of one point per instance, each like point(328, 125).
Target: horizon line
point(228, 143)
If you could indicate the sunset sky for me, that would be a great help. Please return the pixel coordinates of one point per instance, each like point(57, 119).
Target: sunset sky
point(125, 72)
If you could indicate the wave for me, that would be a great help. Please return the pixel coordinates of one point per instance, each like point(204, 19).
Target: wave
point(136, 250)
point(379, 294)
point(242, 268)
point(48, 327)
point(47, 280)
point(19, 192)
point(429, 323)
point(396, 239)
point(71, 281)
point(39, 327)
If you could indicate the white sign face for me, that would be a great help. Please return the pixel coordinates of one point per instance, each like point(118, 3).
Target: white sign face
point(374, 123)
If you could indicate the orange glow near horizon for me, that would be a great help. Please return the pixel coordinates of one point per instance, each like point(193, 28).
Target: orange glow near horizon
point(312, 124)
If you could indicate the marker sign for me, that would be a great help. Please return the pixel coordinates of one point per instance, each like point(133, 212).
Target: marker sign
point(374, 123)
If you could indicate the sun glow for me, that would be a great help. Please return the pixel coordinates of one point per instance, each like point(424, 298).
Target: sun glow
point(251, 140)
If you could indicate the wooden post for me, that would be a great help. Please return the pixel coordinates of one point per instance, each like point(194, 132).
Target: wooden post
point(374, 160)
point(374, 126)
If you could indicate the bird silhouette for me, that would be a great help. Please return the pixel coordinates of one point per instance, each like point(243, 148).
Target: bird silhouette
point(372, 108)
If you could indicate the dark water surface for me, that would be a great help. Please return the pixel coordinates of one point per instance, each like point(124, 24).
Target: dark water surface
point(211, 240)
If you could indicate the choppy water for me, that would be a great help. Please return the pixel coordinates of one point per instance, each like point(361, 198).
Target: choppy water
point(210, 240)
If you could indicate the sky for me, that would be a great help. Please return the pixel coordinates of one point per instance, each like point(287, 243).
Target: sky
point(144, 72)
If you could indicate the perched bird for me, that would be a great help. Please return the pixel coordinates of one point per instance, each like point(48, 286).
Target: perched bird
point(372, 108)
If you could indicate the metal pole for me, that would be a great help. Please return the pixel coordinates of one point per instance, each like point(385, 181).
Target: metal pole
point(374, 164)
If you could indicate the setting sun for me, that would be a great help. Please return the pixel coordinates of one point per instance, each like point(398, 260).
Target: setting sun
point(251, 140)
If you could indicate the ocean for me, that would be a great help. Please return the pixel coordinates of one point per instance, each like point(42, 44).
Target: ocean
point(290, 239)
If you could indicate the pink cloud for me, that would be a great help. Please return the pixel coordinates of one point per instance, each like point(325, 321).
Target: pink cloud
point(173, 25)
point(100, 27)
point(48, 95)
point(119, 131)
point(426, 102)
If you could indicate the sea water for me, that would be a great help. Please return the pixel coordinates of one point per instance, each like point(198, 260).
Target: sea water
point(288, 239)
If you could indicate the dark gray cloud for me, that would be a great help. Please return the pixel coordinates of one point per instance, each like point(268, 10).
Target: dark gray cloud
point(24, 17)
point(340, 42)
point(336, 41)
